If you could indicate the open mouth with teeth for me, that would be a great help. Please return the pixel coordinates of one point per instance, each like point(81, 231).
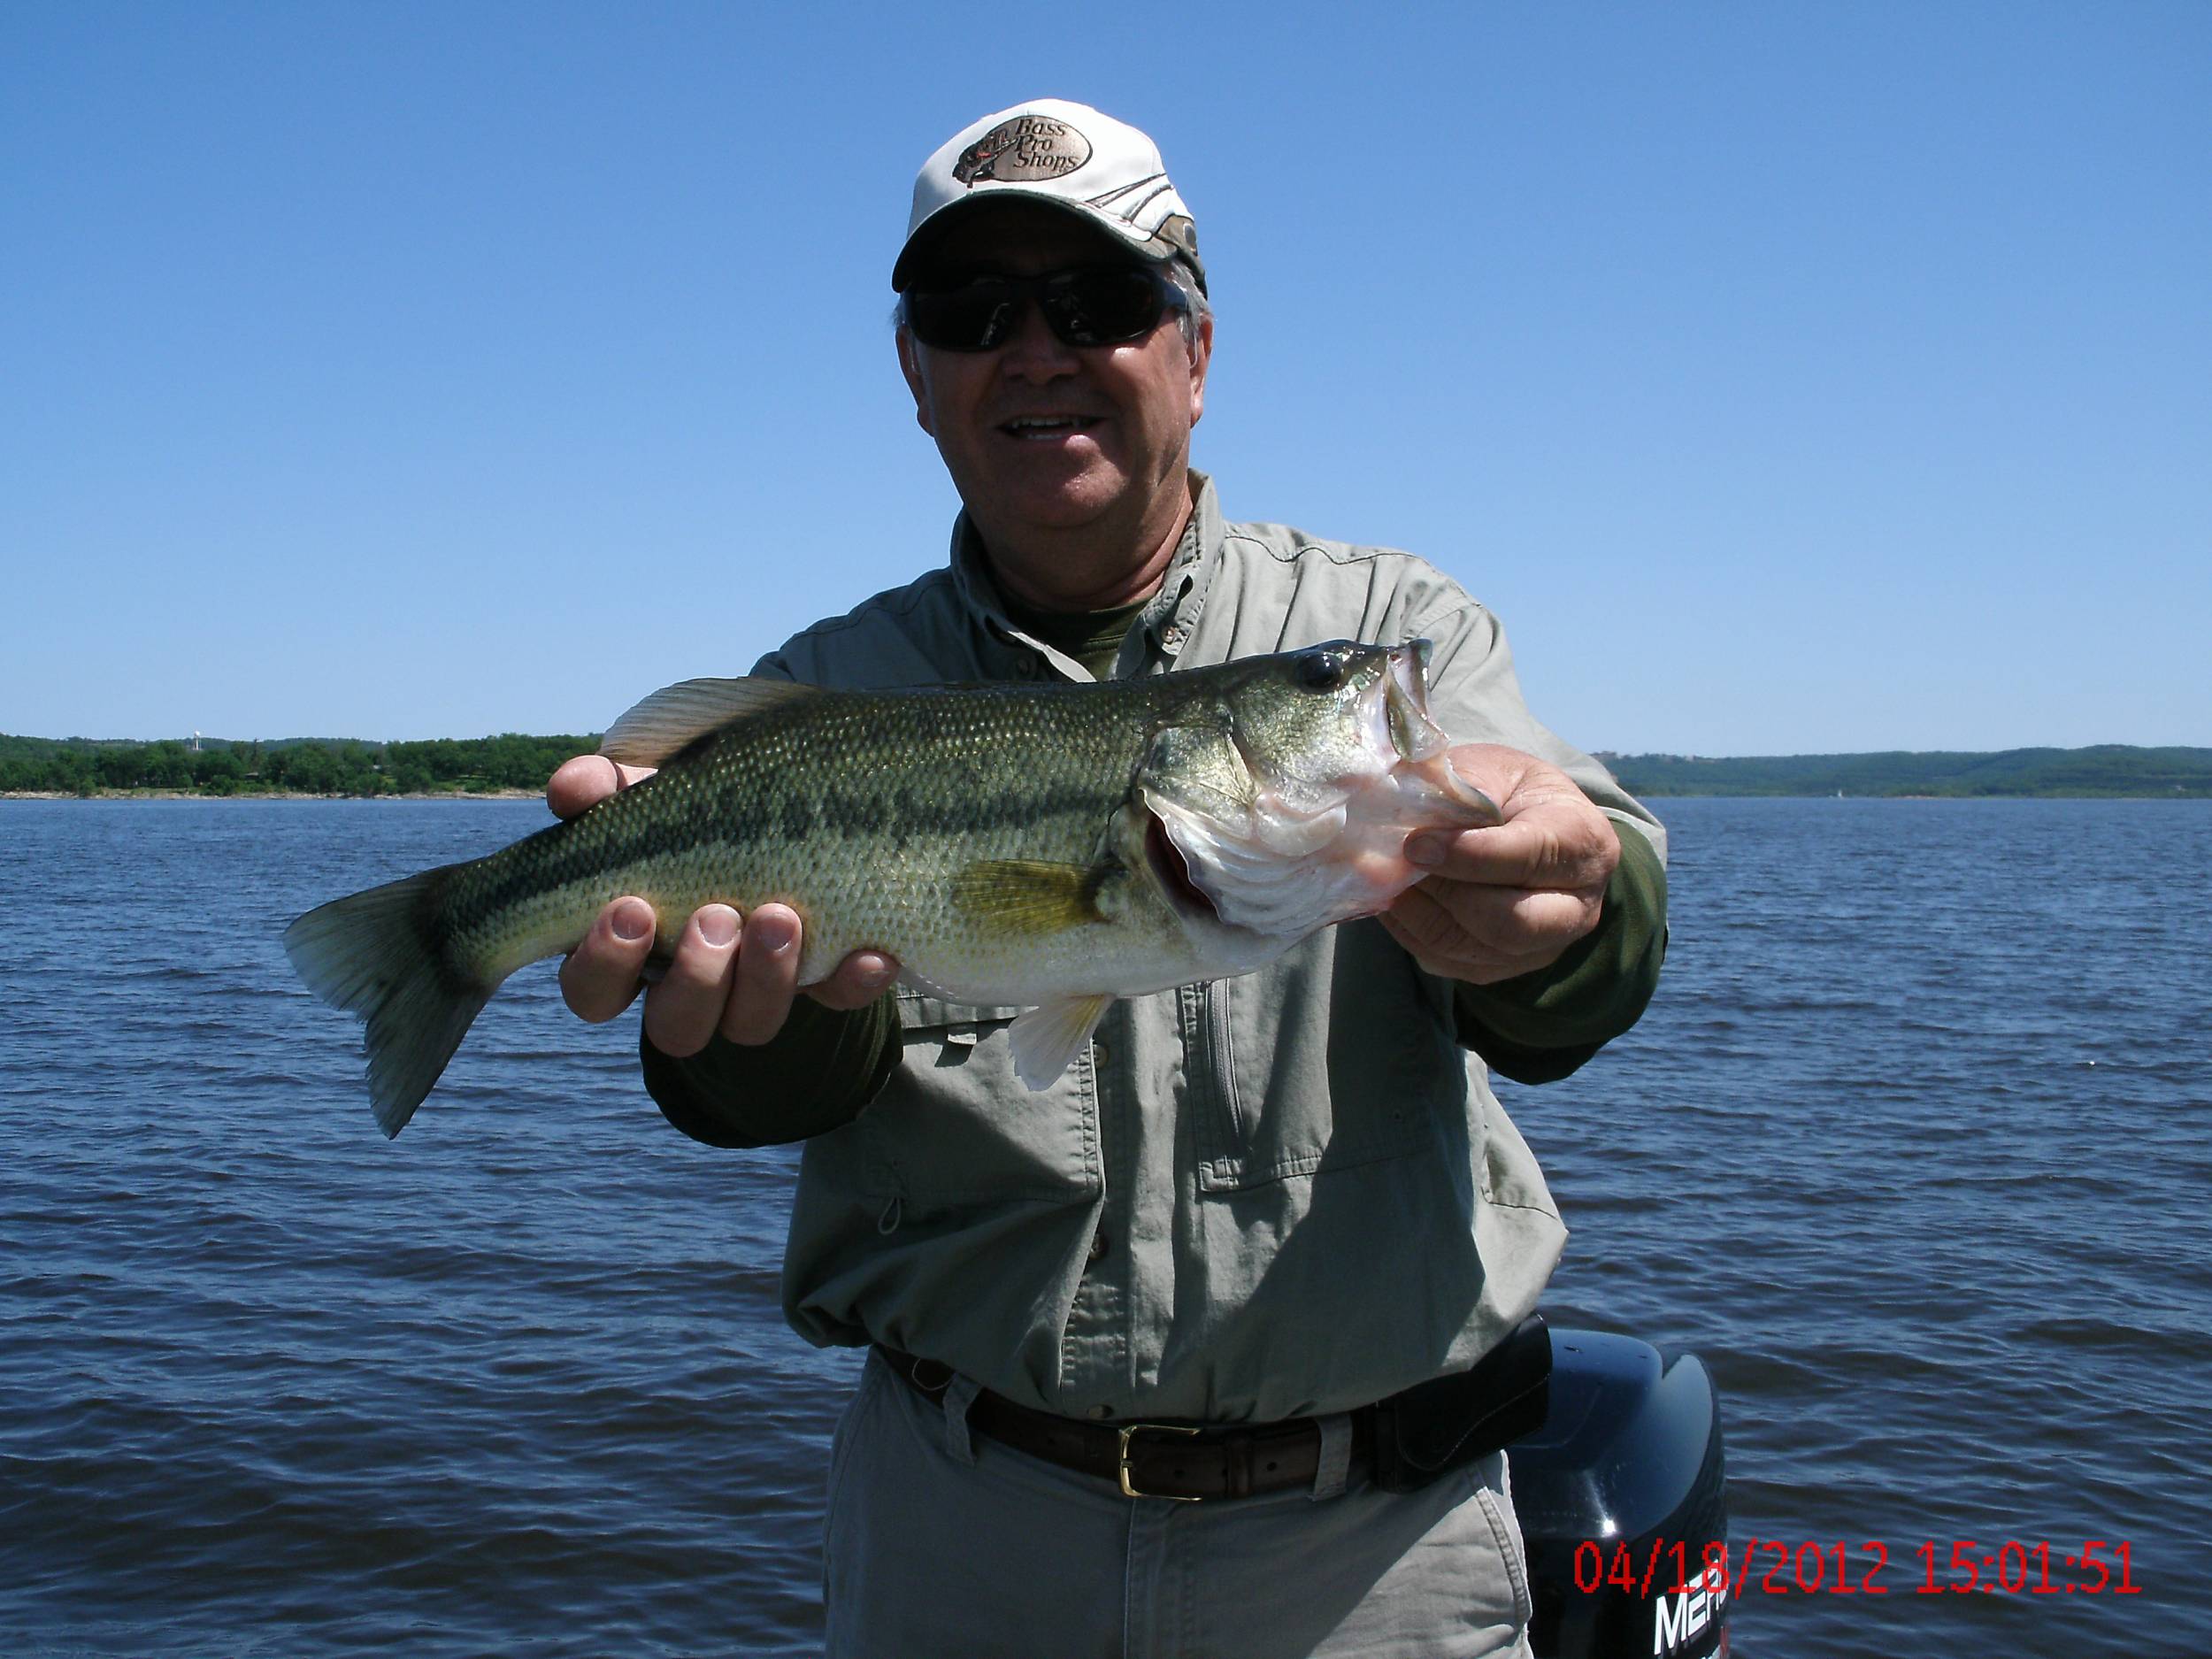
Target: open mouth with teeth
point(1045, 426)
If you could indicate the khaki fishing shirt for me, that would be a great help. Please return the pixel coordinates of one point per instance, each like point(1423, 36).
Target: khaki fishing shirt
point(1257, 1198)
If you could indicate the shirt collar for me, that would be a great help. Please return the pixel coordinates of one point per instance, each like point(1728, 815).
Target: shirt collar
point(1162, 629)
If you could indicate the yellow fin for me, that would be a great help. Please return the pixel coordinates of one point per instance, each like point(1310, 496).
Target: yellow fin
point(1028, 896)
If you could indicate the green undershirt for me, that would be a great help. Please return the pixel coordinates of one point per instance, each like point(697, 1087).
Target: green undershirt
point(1093, 637)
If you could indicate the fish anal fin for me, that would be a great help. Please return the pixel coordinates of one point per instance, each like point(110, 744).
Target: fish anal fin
point(1047, 1038)
point(1028, 897)
point(677, 716)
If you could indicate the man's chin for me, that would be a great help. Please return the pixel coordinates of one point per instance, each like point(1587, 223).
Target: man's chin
point(1060, 498)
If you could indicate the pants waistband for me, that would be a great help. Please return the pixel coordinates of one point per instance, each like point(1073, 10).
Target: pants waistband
point(1186, 1461)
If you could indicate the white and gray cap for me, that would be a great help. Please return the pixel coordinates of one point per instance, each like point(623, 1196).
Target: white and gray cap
point(1064, 155)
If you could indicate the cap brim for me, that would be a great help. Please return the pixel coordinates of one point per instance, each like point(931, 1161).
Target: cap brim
point(1112, 233)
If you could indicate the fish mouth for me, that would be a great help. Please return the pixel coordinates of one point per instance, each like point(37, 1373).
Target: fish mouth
point(1172, 870)
point(1420, 742)
point(1405, 688)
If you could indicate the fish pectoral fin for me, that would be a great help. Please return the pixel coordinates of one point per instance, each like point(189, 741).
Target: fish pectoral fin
point(1047, 1038)
point(678, 715)
point(1028, 896)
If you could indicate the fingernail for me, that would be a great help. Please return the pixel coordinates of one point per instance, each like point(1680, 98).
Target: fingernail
point(1425, 850)
point(774, 933)
point(875, 977)
point(718, 925)
point(633, 922)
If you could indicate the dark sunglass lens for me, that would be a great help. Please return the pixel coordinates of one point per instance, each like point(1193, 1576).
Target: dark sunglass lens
point(1104, 307)
point(969, 317)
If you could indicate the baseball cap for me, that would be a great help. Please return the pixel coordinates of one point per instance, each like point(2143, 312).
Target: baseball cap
point(1066, 156)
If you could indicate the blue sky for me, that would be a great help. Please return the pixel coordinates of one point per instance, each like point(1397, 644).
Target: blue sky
point(1788, 378)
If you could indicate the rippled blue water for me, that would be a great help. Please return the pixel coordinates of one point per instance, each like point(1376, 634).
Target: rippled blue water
point(1912, 1149)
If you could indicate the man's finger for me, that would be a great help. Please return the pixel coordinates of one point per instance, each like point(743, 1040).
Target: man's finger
point(767, 976)
point(1517, 921)
point(1454, 956)
point(682, 1010)
point(859, 979)
point(1555, 845)
point(600, 978)
point(585, 781)
point(1455, 928)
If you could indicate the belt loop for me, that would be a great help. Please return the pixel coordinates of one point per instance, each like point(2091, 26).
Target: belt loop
point(959, 1395)
point(1334, 1466)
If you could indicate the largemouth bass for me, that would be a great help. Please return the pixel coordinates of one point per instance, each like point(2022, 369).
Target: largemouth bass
point(1044, 846)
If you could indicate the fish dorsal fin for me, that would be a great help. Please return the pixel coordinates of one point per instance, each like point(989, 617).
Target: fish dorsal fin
point(680, 714)
point(1027, 895)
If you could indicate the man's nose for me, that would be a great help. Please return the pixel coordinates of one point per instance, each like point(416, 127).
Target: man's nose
point(1031, 351)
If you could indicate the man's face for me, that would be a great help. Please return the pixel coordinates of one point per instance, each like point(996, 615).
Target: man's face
point(1041, 437)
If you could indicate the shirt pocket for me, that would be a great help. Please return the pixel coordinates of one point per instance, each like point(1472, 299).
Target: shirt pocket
point(955, 1127)
point(1341, 1055)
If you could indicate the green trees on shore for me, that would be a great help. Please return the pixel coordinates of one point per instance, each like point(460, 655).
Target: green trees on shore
point(340, 766)
point(2103, 769)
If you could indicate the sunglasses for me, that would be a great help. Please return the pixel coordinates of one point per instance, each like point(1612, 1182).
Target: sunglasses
point(1095, 305)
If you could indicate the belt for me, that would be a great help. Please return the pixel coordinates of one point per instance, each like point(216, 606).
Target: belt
point(1183, 1460)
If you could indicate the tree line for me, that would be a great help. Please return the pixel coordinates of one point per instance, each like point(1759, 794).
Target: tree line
point(332, 766)
point(2103, 769)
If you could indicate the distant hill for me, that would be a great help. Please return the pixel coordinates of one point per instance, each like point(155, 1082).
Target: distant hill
point(2105, 769)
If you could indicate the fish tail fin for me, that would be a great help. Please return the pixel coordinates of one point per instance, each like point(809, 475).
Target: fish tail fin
point(379, 955)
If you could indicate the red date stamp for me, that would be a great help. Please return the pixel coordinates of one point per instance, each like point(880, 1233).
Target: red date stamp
point(1770, 1566)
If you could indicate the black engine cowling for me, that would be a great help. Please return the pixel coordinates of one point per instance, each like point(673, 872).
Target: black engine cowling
point(1619, 1493)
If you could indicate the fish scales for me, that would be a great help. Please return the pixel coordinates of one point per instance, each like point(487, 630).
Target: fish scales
point(856, 809)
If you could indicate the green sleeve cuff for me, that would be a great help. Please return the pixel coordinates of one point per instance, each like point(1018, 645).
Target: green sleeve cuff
point(816, 1074)
point(1542, 1027)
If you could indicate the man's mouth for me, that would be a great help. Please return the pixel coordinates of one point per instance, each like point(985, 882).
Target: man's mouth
point(1043, 427)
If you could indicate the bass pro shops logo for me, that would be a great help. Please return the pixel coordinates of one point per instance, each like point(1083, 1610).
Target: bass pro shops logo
point(1025, 149)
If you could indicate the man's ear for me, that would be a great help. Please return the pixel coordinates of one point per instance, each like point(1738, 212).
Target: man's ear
point(1202, 352)
point(910, 366)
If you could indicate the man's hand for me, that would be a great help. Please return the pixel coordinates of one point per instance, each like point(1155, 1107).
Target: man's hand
point(1507, 899)
point(730, 975)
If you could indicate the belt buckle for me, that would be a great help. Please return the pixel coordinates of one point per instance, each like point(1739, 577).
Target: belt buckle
point(1127, 1429)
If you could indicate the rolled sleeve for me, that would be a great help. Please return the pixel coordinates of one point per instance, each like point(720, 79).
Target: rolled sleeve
point(816, 1075)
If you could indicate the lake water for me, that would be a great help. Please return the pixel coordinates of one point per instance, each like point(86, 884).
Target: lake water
point(1913, 1150)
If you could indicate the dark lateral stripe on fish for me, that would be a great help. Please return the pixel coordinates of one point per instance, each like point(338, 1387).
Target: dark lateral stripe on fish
point(564, 854)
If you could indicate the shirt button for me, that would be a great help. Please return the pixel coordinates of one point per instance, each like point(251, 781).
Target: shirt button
point(1099, 1411)
point(1098, 1245)
point(1171, 634)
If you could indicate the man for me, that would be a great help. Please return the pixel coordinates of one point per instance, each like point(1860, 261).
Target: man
point(1258, 1207)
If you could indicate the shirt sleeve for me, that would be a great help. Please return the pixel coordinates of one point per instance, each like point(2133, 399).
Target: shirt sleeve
point(1542, 1027)
point(816, 1074)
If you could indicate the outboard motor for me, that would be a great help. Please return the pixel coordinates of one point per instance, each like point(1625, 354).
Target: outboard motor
point(1619, 1492)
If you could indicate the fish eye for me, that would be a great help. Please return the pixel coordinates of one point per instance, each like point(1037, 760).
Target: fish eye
point(1324, 669)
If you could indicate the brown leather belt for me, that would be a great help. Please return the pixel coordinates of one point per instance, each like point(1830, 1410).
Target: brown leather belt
point(1184, 1460)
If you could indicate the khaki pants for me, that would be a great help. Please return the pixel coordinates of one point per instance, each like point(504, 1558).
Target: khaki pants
point(942, 1544)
